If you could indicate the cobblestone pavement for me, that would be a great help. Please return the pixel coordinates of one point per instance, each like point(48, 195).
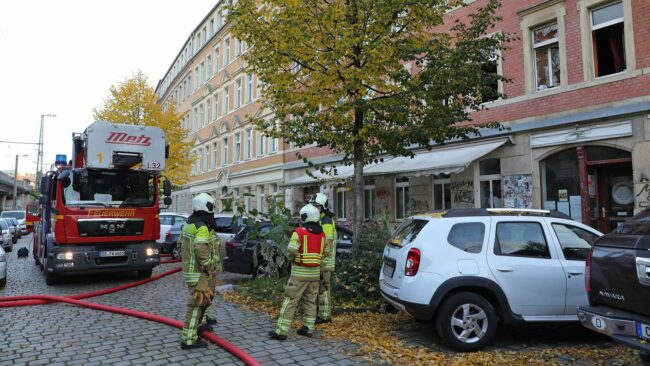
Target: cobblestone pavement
point(61, 334)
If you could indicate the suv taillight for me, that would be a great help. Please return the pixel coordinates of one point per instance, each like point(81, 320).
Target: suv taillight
point(588, 272)
point(412, 262)
point(231, 244)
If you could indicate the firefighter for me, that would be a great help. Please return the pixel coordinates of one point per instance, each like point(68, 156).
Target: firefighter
point(306, 249)
point(200, 263)
point(325, 291)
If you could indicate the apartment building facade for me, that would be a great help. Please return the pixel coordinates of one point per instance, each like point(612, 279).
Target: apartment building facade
point(577, 111)
point(209, 84)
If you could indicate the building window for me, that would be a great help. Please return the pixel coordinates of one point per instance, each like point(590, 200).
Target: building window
point(261, 144)
point(490, 183)
point(219, 19)
point(249, 144)
point(237, 152)
point(401, 197)
point(369, 200)
point(247, 198)
point(226, 51)
point(340, 203)
point(216, 106)
point(216, 60)
point(200, 160)
point(238, 47)
point(275, 142)
point(238, 93)
point(202, 73)
point(260, 199)
point(209, 69)
point(608, 37)
point(195, 125)
point(208, 114)
point(202, 115)
point(196, 78)
point(226, 100)
point(206, 161)
point(442, 193)
point(212, 26)
point(224, 151)
point(547, 57)
point(249, 88)
point(214, 155)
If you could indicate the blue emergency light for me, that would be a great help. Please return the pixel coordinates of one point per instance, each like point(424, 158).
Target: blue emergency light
point(61, 160)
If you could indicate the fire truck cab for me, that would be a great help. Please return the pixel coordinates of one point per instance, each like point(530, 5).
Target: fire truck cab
point(99, 213)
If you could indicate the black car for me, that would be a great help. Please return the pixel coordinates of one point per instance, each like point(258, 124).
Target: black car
point(239, 260)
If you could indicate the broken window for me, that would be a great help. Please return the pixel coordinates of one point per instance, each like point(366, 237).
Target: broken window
point(608, 39)
point(547, 57)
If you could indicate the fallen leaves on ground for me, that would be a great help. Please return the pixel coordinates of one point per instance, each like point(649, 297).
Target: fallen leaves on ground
point(376, 336)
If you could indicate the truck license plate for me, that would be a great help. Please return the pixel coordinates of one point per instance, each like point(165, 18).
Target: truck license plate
point(643, 330)
point(112, 253)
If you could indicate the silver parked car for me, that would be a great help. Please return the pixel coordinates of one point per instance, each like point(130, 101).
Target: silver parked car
point(3, 267)
point(14, 229)
point(6, 239)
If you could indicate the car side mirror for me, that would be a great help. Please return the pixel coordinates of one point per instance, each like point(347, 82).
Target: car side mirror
point(45, 185)
point(42, 200)
point(167, 201)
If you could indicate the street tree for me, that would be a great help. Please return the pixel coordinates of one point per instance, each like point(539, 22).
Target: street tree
point(133, 101)
point(369, 78)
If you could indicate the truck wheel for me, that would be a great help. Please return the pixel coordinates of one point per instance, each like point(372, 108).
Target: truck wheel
point(145, 273)
point(466, 322)
point(3, 282)
point(176, 253)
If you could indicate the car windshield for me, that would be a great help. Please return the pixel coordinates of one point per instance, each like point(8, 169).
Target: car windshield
point(3, 225)
point(15, 214)
point(109, 189)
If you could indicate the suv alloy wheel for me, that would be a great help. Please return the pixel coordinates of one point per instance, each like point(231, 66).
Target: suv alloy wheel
point(466, 322)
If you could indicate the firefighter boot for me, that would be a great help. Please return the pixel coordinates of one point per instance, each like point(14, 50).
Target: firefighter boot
point(197, 344)
point(320, 320)
point(279, 337)
point(210, 320)
point(304, 331)
point(205, 327)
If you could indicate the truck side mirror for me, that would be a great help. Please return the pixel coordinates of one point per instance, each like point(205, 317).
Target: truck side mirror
point(45, 185)
point(42, 200)
point(167, 187)
point(167, 201)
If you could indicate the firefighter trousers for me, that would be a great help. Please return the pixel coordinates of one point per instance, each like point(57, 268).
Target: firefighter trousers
point(325, 296)
point(296, 290)
point(193, 316)
point(212, 282)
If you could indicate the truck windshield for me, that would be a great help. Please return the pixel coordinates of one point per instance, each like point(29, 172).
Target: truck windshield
point(15, 214)
point(109, 189)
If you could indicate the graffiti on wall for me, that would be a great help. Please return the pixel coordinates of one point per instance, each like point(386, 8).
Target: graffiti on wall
point(518, 191)
point(382, 193)
point(643, 197)
point(417, 206)
point(462, 194)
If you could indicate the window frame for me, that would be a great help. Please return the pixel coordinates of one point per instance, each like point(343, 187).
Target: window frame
point(224, 151)
point(402, 185)
point(443, 182)
point(489, 178)
point(497, 245)
point(248, 148)
point(340, 209)
point(236, 157)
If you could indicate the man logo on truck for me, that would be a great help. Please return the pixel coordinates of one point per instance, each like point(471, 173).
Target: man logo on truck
point(124, 138)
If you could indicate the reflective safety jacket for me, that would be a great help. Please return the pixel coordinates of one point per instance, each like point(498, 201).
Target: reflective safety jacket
point(307, 249)
point(329, 228)
point(199, 251)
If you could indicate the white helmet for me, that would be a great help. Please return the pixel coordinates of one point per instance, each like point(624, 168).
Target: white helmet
point(320, 199)
point(309, 213)
point(203, 202)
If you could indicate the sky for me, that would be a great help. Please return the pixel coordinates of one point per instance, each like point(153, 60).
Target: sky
point(61, 57)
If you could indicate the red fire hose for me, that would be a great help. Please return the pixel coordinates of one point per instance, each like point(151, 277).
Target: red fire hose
point(12, 301)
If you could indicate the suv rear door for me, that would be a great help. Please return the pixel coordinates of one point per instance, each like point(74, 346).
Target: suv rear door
point(522, 258)
point(573, 242)
point(397, 248)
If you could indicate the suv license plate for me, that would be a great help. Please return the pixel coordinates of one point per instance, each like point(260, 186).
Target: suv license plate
point(643, 331)
point(112, 253)
point(388, 270)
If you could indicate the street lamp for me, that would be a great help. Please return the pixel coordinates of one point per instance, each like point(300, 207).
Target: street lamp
point(16, 182)
point(39, 158)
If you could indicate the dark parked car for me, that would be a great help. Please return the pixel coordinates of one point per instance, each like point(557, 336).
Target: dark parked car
point(618, 284)
point(171, 238)
point(239, 260)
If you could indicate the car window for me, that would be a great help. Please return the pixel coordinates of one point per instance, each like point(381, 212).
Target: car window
point(467, 236)
point(408, 231)
point(575, 242)
point(224, 224)
point(180, 220)
point(521, 239)
point(3, 225)
point(343, 236)
point(166, 219)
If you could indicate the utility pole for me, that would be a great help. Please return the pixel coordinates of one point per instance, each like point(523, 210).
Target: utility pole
point(39, 158)
point(15, 184)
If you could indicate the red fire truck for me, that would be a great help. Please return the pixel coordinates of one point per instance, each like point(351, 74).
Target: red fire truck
point(31, 217)
point(100, 213)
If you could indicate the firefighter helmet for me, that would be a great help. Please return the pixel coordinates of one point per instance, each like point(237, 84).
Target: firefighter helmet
point(320, 199)
point(309, 213)
point(203, 202)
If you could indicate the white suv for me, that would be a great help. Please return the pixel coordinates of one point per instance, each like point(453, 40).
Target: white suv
point(469, 269)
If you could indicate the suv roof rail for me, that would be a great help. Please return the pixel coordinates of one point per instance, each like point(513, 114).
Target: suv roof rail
point(464, 212)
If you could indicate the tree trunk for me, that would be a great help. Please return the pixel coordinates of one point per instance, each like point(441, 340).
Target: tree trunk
point(358, 184)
